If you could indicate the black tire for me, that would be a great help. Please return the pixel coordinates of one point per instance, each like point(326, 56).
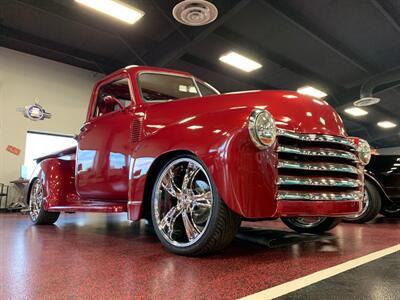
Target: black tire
point(321, 226)
point(37, 214)
point(391, 210)
point(372, 206)
point(221, 227)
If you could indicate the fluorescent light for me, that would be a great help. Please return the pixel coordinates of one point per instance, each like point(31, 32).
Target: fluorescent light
point(239, 61)
point(355, 111)
point(115, 9)
point(386, 124)
point(396, 165)
point(310, 91)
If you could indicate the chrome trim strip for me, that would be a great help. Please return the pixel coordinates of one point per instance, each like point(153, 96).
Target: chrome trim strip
point(333, 167)
point(318, 152)
point(289, 195)
point(318, 181)
point(316, 138)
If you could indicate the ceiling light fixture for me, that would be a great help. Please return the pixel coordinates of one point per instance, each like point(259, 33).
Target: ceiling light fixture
point(311, 91)
point(115, 9)
point(239, 61)
point(355, 111)
point(386, 124)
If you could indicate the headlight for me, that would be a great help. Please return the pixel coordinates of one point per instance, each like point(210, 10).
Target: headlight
point(364, 152)
point(262, 128)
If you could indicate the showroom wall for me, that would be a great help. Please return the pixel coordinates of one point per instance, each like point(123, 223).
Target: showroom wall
point(61, 89)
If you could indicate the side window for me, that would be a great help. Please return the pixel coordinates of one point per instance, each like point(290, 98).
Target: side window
point(206, 90)
point(156, 87)
point(118, 89)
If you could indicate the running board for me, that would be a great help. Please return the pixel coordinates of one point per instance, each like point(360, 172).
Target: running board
point(91, 207)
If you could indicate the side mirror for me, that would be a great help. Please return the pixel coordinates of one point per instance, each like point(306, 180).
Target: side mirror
point(111, 101)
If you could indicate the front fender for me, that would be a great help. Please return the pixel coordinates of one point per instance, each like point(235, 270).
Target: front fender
point(244, 175)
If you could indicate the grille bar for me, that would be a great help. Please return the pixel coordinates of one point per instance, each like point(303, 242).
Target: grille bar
point(292, 195)
point(331, 167)
point(319, 152)
point(316, 138)
point(318, 181)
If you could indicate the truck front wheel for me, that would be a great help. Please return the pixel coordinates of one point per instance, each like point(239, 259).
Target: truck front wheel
point(188, 215)
point(314, 225)
point(36, 210)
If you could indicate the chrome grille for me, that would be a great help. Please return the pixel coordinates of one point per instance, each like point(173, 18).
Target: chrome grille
point(317, 167)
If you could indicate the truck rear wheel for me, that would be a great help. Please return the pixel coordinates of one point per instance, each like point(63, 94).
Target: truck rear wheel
point(188, 215)
point(314, 225)
point(36, 210)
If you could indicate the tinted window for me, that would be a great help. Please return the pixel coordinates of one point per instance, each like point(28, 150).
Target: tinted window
point(205, 90)
point(155, 87)
point(118, 89)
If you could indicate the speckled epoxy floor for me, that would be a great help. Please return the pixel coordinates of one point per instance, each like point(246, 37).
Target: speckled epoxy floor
point(100, 256)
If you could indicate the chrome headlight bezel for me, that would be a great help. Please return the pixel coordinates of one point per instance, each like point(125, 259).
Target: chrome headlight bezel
point(262, 128)
point(364, 152)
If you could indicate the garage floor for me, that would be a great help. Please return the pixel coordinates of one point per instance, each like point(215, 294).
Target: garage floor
point(93, 256)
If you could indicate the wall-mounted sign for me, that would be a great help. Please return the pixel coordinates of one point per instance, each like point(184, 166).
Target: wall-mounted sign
point(13, 150)
point(35, 112)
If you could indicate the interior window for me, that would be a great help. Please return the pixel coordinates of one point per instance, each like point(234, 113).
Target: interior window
point(155, 87)
point(206, 90)
point(118, 89)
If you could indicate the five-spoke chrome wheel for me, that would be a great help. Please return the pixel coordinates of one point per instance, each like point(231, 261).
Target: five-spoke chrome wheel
point(188, 215)
point(183, 202)
point(36, 200)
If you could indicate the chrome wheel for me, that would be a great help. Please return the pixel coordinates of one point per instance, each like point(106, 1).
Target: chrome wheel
point(183, 201)
point(306, 222)
point(36, 200)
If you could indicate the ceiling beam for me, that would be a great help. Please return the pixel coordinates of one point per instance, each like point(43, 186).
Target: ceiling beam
point(174, 46)
point(219, 69)
point(250, 46)
point(329, 42)
point(79, 17)
point(99, 62)
point(386, 13)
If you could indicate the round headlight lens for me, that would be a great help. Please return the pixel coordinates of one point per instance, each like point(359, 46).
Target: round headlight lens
point(262, 128)
point(364, 152)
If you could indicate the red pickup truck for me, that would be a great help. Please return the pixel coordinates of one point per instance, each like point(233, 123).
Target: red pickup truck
point(166, 146)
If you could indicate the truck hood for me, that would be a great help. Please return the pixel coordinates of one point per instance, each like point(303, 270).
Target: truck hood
point(291, 110)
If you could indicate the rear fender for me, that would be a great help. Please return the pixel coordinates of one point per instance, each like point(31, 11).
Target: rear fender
point(58, 179)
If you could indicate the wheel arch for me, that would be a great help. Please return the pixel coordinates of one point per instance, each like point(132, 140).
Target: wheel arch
point(154, 169)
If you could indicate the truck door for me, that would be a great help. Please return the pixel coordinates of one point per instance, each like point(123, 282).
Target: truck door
point(104, 148)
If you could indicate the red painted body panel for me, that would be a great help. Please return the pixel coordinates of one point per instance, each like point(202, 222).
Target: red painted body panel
point(214, 128)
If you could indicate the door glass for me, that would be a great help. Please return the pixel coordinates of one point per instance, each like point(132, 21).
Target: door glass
point(118, 89)
point(205, 89)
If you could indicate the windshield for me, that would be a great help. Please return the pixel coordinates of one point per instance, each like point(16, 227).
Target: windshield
point(156, 87)
point(159, 87)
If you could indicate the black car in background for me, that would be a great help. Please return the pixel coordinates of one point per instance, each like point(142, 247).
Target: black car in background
point(382, 189)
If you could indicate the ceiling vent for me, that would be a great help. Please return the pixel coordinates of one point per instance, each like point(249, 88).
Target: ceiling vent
point(195, 12)
point(366, 101)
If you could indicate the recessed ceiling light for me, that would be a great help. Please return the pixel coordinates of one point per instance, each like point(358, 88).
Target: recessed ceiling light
point(115, 9)
point(239, 61)
point(386, 124)
point(355, 111)
point(396, 165)
point(309, 90)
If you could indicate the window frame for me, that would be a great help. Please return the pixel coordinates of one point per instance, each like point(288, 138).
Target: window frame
point(107, 81)
point(208, 86)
